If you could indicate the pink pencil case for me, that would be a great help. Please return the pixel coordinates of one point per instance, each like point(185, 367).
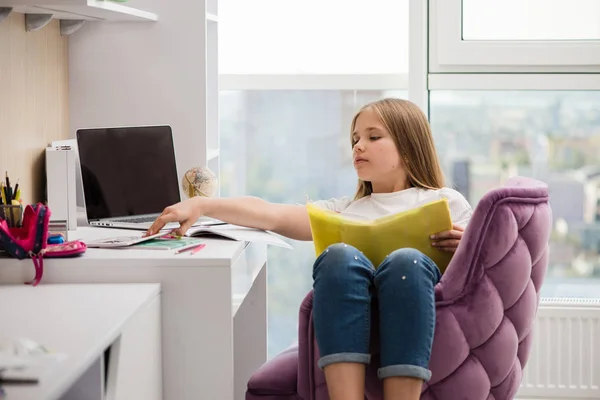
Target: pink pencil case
point(67, 249)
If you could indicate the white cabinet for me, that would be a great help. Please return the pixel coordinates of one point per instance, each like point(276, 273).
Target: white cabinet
point(94, 10)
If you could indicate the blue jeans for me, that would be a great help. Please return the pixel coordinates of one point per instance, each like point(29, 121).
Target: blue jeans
point(345, 283)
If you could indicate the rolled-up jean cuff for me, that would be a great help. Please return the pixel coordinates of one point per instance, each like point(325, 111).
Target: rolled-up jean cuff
point(411, 371)
point(343, 358)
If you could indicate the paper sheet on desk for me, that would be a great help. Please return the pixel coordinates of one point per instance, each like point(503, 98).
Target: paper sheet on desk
point(238, 233)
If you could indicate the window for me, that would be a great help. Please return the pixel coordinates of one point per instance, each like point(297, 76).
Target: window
point(513, 89)
point(283, 146)
point(514, 35)
point(487, 136)
point(505, 92)
point(531, 20)
point(313, 37)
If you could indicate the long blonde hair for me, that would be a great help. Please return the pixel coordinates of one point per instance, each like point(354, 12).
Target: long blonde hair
point(411, 133)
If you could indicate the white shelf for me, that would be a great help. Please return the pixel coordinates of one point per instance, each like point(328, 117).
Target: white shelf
point(94, 10)
point(212, 17)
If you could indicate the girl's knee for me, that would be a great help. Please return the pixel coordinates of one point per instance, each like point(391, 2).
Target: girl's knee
point(340, 250)
point(408, 260)
point(406, 256)
point(340, 260)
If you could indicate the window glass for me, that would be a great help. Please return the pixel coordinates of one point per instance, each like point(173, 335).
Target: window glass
point(313, 36)
point(283, 146)
point(531, 19)
point(485, 137)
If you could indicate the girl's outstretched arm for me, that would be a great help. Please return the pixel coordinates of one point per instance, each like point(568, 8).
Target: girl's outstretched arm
point(285, 219)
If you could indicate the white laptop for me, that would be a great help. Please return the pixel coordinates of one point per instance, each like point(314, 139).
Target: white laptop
point(129, 175)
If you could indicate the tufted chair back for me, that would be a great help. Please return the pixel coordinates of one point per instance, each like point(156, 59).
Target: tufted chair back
point(487, 300)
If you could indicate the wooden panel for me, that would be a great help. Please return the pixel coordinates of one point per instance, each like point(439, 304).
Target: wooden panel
point(33, 100)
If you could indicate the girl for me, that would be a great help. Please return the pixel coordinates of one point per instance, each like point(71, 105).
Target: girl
point(397, 168)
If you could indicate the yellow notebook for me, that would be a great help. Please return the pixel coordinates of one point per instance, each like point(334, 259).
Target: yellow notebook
point(378, 238)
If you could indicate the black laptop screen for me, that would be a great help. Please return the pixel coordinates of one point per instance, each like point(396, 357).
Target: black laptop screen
point(127, 171)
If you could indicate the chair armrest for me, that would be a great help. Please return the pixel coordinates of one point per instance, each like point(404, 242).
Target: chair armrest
point(306, 349)
point(483, 236)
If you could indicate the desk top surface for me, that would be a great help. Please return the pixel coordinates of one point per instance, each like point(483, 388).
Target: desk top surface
point(80, 321)
point(216, 253)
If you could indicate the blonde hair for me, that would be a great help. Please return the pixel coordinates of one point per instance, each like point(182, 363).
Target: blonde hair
point(411, 133)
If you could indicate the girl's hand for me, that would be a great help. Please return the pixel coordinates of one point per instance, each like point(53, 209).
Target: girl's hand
point(185, 212)
point(448, 240)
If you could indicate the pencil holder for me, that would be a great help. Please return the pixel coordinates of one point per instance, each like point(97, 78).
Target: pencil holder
point(12, 214)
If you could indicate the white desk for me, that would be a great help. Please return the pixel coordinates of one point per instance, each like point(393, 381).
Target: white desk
point(212, 302)
point(82, 321)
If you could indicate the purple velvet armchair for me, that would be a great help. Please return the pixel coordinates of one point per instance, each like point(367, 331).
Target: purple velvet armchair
point(486, 304)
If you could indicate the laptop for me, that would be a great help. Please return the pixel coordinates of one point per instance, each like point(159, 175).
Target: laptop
point(129, 175)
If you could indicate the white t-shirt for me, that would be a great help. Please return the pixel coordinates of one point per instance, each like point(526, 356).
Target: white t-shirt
point(379, 205)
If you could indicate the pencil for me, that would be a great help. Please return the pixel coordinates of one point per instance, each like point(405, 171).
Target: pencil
point(189, 247)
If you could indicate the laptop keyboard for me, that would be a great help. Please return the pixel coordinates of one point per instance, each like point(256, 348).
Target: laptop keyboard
point(136, 220)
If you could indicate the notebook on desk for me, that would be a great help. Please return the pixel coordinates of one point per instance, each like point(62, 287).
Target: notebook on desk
point(129, 175)
point(239, 233)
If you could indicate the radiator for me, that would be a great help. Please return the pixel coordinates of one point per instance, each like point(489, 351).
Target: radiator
point(565, 356)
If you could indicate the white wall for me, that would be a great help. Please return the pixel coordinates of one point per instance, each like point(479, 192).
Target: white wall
point(142, 73)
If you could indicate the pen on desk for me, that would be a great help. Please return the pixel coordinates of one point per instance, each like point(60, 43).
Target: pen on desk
point(195, 247)
point(16, 191)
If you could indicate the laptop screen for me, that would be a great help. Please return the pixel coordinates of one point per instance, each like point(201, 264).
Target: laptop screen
point(127, 171)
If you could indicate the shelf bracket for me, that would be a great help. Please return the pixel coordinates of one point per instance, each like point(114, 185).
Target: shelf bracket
point(5, 12)
point(33, 22)
point(70, 26)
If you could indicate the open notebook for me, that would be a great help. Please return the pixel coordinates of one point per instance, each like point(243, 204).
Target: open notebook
point(227, 231)
point(378, 238)
point(235, 232)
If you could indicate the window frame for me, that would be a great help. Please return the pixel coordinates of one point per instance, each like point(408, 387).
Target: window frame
point(505, 82)
point(449, 53)
point(455, 64)
point(398, 81)
point(418, 53)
